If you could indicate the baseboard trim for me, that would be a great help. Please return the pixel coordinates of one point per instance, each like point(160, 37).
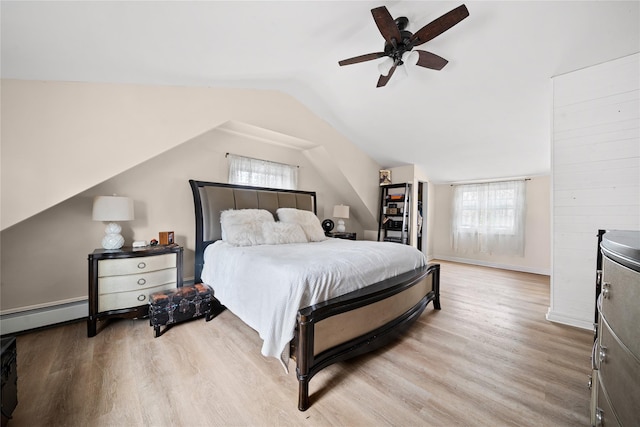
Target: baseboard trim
point(566, 320)
point(524, 269)
point(38, 318)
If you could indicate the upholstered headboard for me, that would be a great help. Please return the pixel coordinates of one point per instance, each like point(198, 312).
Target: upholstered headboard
point(211, 198)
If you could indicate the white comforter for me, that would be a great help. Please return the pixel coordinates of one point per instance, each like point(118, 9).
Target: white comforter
point(266, 285)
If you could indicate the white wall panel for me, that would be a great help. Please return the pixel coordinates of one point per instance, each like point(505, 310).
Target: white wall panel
point(595, 176)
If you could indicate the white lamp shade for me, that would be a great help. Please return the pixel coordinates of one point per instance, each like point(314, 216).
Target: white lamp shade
point(112, 208)
point(341, 211)
point(411, 57)
point(400, 74)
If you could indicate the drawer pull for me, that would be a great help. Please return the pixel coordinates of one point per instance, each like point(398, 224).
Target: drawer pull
point(142, 297)
point(602, 354)
point(141, 265)
point(599, 417)
point(606, 290)
point(142, 281)
point(590, 383)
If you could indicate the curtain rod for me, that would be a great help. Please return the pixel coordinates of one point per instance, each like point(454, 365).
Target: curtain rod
point(261, 160)
point(489, 182)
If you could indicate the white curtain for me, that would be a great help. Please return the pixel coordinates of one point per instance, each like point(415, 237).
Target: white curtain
point(489, 218)
point(262, 173)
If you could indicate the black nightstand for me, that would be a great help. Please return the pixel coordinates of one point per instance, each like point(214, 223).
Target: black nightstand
point(121, 280)
point(337, 235)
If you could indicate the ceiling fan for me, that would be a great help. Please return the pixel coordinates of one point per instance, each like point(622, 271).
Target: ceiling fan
point(399, 42)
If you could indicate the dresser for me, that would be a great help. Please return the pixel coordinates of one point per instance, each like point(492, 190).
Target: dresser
point(615, 380)
point(121, 280)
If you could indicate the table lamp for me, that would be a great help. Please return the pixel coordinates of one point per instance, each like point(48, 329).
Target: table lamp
point(341, 212)
point(111, 209)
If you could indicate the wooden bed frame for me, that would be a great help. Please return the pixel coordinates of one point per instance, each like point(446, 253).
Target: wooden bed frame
point(374, 315)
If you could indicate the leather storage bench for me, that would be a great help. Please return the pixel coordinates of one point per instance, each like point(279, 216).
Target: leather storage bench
point(177, 305)
point(9, 378)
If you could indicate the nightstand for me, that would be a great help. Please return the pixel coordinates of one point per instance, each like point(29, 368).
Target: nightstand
point(338, 235)
point(121, 280)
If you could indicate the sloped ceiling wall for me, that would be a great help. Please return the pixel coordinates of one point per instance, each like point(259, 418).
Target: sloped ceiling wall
point(60, 138)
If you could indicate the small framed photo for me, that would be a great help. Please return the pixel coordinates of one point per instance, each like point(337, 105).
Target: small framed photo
point(166, 238)
point(385, 176)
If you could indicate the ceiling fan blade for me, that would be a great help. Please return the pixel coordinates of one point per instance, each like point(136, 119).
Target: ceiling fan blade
point(386, 25)
point(361, 58)
point(430, 60)
point(440, 25)
point(383, 80)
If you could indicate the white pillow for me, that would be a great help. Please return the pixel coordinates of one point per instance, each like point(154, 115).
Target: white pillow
point(306, 219)
point(278, 233)
point(243, 227)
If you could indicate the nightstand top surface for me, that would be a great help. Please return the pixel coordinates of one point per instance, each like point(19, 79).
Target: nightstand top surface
point(129, 251)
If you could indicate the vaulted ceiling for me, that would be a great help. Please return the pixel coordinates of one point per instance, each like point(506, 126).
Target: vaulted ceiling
point(486, 115)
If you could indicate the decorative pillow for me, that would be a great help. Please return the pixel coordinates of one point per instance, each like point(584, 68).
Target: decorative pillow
point(277, 233)
point(243, 227)
point(306, 219)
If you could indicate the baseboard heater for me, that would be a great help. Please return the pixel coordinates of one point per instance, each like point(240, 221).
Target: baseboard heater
point(46, 316)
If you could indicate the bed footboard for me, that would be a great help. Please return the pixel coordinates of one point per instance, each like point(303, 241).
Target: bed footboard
point(360, 321)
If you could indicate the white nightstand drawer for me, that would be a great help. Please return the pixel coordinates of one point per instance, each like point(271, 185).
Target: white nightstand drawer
point(131, 282)
point(114, 267)
point(119, 300)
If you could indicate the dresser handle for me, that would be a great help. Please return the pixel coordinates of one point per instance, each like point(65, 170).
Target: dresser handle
point(142, 281)
point(606, 290)
point(142, 297)
point(599, 417)
point(602, 354)
point(141, 265)
point(590, 383)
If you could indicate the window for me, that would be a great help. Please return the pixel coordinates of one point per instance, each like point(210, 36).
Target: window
point(262, 173)
point(489, 217)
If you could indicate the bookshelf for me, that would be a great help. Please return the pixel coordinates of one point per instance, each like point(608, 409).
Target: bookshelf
point(394, 224)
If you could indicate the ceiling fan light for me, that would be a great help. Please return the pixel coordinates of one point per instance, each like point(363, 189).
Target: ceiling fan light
point(410, 57)
point(400, 73)
point(385, 66)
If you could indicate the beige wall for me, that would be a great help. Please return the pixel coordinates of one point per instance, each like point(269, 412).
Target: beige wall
point(47, 263)
point(537, 253)
point(74, 136)
point(80, 140)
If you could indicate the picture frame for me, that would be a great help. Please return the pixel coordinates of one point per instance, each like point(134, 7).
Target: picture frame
point(385, 176)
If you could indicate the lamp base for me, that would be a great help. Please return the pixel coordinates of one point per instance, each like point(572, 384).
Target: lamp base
point(340, 228)
point(112, 238)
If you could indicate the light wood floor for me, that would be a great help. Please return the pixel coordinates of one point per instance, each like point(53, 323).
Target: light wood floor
point(488, 358)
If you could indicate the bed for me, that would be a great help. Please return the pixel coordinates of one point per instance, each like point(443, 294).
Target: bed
point(353, 312)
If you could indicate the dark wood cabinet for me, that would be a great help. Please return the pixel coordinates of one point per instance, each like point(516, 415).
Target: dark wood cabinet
point(121, 280)
point(339, 235)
